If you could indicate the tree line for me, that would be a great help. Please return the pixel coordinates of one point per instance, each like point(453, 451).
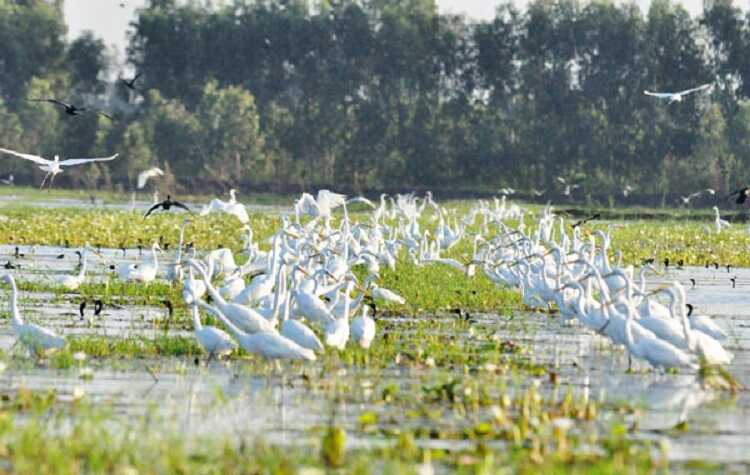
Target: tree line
point(383, 94)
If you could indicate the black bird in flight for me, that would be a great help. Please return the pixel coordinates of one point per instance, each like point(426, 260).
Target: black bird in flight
point(130, 83)
point(586, 220)
point(742, 195)
point(165, 205)
point(70, 109)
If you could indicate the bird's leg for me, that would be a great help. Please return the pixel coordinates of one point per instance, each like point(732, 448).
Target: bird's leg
point(52, 178)
point(630, 363)
point(44, 181)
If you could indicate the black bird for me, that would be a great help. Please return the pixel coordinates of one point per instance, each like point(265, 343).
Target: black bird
point(130, 83)
point(681, 262)
point(165, 205)
point(586, 220)
point(716, 265)
point(70, 109)
point(10, 266)
point(98, 306)
point(734, 282)
point(650, 260)
point(666, 263)
point(729, 268)
point(742, 195)
point(170, 308)
point(18, 254)
point(689, 308)
point(692, 281)
point(61, 256)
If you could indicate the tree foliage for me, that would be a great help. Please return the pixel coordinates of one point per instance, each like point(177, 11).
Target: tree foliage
point(375, 94)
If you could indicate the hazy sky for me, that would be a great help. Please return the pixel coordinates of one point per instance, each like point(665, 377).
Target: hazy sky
point(110, 21)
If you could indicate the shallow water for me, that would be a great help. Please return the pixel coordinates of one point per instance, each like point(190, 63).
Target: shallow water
point(279, 405)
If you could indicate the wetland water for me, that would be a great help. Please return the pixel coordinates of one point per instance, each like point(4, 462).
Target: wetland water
point(226, 398)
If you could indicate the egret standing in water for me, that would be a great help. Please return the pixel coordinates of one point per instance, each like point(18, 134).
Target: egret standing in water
point(37, 339)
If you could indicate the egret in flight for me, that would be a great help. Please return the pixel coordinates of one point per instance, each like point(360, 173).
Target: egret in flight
point(676, 96)
point(146, 174)
point(53, 167)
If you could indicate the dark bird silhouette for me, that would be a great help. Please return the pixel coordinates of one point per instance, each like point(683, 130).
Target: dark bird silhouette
point(681, 262)
point(689, 308)
point(741, 194)
point(729, 268)
point(170, 308)
point(98, 307)
point(8, 265)
point(165, 205)
point(130, 83)
point(18, 253)
point(734, 282)
point(60, 256)
point(586, 220)
point(70, 109)
point(666, 263)
point(692, 281)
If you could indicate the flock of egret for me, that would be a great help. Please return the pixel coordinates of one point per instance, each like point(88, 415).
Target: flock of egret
point(302, 297)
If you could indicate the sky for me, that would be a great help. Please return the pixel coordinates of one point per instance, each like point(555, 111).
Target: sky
point(108, 20)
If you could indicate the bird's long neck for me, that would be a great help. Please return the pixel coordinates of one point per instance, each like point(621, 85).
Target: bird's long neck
point(196, 318)
point(680, 303)
point(153, 253)
point(82, 273)
point(15, 314)
point(209, 287)
point(239, 333)
point(347, 301)
point(182, 240)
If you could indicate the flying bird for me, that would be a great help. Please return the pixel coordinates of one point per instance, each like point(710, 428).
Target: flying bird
point(676, 96)
point(130, 83)
point(70, 109)
point(146, 174)
point(53, 167)
point(165, 205)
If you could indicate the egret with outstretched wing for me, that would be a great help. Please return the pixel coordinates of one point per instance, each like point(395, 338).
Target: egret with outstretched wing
point(146, 174)
point(676, 96)
point(53, 167)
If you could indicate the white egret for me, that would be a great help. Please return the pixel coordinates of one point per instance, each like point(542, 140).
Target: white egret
point(245, 318)
point(676, 96)
point(363, 329)
point(703, 323)
point(268, 344)
point(53, 167)
point(214, 341)
point(144, 176)
point(645, 345)
point(37, 339)
point(337, 332)
point(72, 282)
point(144, 272)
